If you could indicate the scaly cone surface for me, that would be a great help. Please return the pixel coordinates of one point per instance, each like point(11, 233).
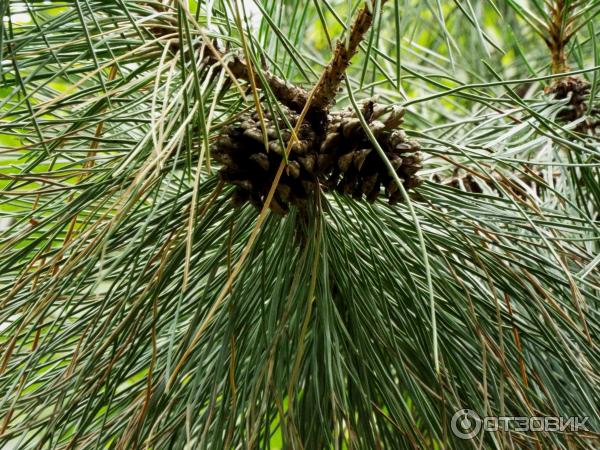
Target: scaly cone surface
point(341, 158)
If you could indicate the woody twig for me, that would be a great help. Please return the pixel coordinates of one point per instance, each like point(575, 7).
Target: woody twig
point(295, 97)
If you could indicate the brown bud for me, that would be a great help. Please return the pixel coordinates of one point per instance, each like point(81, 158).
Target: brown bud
point(345, 161)
point(224, 158)
point(411, 170)
point(272, 133)
point(397, 137)
point(392, 187)
point(372, 196)
point(378, 111)
point(331, 141)
point(245, 184)
point(248, 125)
point(275, 147)
point(395, 118)
point(367, 109)
point(414, 146)
point(395, 161)
point(225, 143)
point(360, 156)
point(261, 159)
point(308, 162)
point(411, 159)
point(254, 134)
point(299, 147)
point(412, 183)
point(350, 127)
point(293, 169)
point(377, 127)
point(285, 134)
point(403, 147)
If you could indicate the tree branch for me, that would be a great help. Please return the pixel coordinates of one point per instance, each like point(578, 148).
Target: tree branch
point(327, 87)
point(288, 94)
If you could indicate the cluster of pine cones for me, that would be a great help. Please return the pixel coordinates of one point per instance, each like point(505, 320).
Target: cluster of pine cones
point(337, 155)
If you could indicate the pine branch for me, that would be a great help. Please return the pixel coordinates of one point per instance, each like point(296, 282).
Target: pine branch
point(558, 39)
point(287, 93)
point(327, 87)
point(144, 290)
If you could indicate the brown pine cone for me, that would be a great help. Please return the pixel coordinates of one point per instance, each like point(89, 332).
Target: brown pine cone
point(357, 166)
point(578, 88)
point(249, 165)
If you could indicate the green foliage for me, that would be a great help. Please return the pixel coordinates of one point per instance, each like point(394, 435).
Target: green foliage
point(140, 309)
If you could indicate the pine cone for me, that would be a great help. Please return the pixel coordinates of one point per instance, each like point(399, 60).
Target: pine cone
point(249, 165)
point(356, 167)
point(579, 89)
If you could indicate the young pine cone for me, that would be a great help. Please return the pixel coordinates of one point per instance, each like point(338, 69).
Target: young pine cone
point(355, 167)
point(578, 88)
point(249, 165)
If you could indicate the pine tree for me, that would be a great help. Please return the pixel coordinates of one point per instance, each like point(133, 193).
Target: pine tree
point(298, 224)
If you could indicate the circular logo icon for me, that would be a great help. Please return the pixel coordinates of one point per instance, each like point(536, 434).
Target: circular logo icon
point(466, 424)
